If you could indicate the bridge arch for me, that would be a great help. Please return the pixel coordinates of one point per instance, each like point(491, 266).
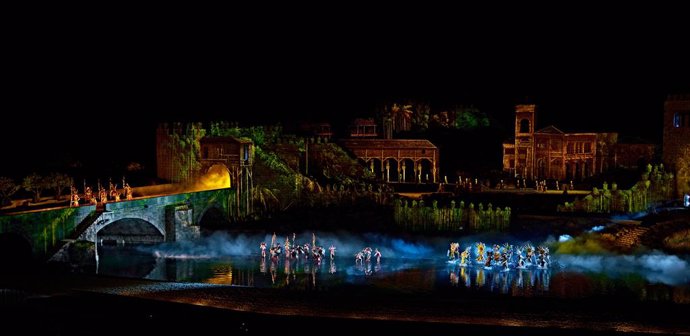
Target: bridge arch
point(130, 230)
point(16, 252)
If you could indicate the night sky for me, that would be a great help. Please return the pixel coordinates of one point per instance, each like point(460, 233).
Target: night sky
point(104, 90)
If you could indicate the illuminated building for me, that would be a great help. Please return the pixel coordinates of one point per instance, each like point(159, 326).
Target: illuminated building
point(550, 153)
point(363, 128)
point(397, 160)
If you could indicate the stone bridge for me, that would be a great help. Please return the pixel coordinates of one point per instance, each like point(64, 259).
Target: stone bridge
point(171, 217)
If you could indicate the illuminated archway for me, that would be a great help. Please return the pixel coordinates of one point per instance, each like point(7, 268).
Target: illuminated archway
point(427, 175)
point(393, 170)
point(377, 166)
point(217, 176)
point(407, 170)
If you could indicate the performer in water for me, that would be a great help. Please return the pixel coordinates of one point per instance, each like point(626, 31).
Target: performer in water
point(367, 253)
point(263, 249)
point(487, 263)
point(332, 251)
point(464, 256)
point(377, 255)
point(359, 257)
point(521, 259)
point(288, 251)
point(480, 253)
point(504, 260)
point(529, 249)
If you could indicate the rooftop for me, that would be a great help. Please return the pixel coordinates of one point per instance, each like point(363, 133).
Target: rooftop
point(388, 143)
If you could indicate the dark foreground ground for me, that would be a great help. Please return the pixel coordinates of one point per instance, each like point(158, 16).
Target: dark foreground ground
point(50, 304)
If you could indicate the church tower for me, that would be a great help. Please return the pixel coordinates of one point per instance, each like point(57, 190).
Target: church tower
point(524, 140)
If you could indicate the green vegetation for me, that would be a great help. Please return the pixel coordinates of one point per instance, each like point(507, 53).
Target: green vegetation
point(278, 179)
point(655, 185)
point(185, 148)
point(417, 216)
point(45, 229)
point(419, 116)
point(331, 163)
point(469, 117)
point(584, 244)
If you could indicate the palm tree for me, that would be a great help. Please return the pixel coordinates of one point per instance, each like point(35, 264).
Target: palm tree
point(265, 198)
point(402, 117)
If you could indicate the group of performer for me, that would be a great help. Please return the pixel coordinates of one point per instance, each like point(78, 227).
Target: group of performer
point(113, 193)
point(503, 256)
point(293, 250)
point(365, 255)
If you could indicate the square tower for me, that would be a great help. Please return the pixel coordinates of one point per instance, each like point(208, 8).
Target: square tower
point(524, 140)
point(676, 148)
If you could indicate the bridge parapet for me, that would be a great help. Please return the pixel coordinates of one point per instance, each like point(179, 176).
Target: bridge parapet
point(176, 217)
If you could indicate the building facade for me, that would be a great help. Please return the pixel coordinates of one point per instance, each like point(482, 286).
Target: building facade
point(364, 128)
point(397, 160)
point(550, 153)
point(676, 147)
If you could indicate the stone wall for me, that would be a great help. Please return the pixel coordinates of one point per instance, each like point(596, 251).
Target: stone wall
point(45, 229)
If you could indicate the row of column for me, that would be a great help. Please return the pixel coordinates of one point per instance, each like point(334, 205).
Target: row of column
point(418, 174)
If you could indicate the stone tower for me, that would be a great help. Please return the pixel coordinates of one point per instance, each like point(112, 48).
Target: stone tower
point(676, 154)
point(524, 140)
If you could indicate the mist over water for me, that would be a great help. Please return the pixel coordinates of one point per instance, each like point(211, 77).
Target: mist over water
point(221, 244)
point(655, 267)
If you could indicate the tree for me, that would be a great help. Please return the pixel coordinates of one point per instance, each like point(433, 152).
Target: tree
point(7, 189)
point(470, 117)
point(422, 112)
point(401, 116)
point(265, 198)
point(59, 182)
point(35, 183)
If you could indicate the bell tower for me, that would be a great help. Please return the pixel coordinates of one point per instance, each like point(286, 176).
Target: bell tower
point(524, 140)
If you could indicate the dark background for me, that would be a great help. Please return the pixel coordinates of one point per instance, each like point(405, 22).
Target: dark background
point(93, 93)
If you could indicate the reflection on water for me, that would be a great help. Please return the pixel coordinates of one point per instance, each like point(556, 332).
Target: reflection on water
point(421, 275)
point(516, 281)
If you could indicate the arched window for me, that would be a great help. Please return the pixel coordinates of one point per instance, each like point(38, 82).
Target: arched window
point(524, 126)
